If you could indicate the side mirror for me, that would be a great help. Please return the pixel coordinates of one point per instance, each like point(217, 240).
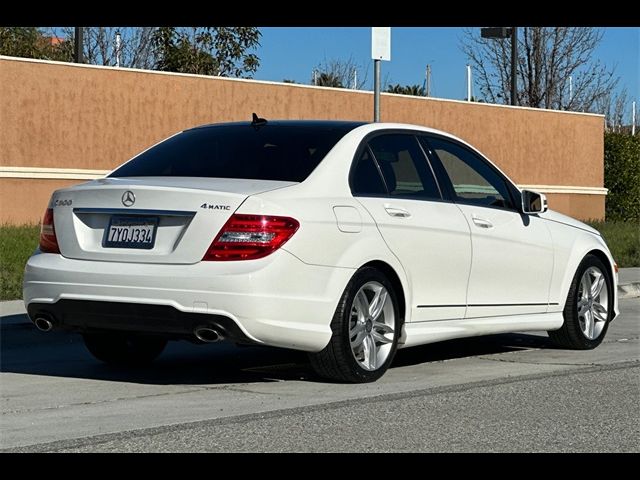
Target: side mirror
point(533, 202)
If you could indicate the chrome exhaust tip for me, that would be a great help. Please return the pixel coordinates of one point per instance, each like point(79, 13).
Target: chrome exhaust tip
point(207, 334)
point(43, 324)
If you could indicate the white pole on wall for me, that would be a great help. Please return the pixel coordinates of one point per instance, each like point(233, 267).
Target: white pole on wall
point(428, 89)
point(570, 89)
point(118, 48)
point(468, 83)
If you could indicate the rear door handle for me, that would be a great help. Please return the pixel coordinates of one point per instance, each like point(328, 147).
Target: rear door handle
point(397, 212)
point(482, 223)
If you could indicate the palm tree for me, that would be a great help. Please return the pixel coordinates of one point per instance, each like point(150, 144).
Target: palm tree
point(328, 79)
point(415, 90)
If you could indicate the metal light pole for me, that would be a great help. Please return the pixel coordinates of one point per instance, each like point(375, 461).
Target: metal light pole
point(505, 32)
point(77, 46)
point(514, 65)
point(376, 90)
point(380, 50)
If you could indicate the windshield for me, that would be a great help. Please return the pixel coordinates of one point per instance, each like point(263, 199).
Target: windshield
point(269, 152)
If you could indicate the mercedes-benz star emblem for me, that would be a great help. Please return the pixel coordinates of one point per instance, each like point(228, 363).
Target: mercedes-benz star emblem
point(128, 198)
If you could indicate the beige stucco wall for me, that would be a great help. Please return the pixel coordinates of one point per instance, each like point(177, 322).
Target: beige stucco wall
point(25, 200)
point(66, 116)
point(584, 207)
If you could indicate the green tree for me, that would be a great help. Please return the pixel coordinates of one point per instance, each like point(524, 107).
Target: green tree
point(415, 90)
point(220, 51)
point(622, 176)
point(31, 42)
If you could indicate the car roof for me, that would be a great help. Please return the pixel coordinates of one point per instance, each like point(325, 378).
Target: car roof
point(364, 127)
point(291, 123)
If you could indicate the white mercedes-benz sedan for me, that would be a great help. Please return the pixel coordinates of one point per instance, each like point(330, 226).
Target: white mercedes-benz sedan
point(346, 240)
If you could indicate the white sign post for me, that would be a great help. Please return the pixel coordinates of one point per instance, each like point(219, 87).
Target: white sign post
point(380, 50)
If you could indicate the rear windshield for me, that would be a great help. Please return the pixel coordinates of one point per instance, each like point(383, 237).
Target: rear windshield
point(270, 152)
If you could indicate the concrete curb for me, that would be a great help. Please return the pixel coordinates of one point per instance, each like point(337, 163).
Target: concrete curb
point(629, 282)
point(629, 290)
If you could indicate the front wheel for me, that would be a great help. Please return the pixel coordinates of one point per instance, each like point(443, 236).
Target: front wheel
point(588, 308)
point(124, 349)
point(366, 327)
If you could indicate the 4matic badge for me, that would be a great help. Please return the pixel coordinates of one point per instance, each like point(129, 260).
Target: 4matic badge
point(210, 206)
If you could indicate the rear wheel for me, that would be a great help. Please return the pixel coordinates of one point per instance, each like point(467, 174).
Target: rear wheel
point(366, 327)
point(588, 308)
point(124, 349)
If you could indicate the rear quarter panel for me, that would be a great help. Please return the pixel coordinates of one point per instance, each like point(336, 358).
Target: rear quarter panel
point(319, 241)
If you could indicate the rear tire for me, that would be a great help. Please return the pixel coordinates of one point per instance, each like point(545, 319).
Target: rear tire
point(588, 309)
point(366, 327)
point(124, 349)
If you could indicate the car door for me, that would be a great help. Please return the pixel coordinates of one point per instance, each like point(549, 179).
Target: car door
point(393, 180)
point(512, 258)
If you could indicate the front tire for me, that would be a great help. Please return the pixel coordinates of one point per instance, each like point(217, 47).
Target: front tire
point(366, 327)
point(124, 349)
point(588, 308)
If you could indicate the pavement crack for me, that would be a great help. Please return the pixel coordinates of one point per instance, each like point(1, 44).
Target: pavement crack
point(619, 340)
point(106, 401)
point(248, 390)
point(560, 364)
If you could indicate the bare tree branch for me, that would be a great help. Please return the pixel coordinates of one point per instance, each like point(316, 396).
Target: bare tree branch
point(614, 108)
point(340, 73)
point(548, 58)
point(100, 45)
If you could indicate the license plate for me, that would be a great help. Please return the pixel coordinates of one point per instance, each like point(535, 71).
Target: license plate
point(131, 232)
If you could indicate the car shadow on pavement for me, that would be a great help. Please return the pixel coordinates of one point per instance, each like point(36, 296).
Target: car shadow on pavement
point(470, 347)
point(25, 350)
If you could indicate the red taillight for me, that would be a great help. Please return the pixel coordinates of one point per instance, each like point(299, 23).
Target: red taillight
point(247, 237)
point(48, 240)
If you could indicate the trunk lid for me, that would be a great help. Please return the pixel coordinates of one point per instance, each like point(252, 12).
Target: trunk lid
point(180, 216)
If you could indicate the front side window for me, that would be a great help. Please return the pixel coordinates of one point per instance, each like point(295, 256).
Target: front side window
point(404, 167)
point(472, 179)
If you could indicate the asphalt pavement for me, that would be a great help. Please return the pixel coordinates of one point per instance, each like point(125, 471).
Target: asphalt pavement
point(512, 392)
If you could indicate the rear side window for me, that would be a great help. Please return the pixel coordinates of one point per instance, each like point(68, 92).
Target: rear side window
point(270, 152)
point(366, 177)
point(404, 166)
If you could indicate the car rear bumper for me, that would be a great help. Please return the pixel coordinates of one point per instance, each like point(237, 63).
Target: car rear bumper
point(278, 300)
point(91, 316)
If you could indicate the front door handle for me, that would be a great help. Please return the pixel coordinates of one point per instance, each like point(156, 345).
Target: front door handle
point(397, 212)
point(482, 223)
